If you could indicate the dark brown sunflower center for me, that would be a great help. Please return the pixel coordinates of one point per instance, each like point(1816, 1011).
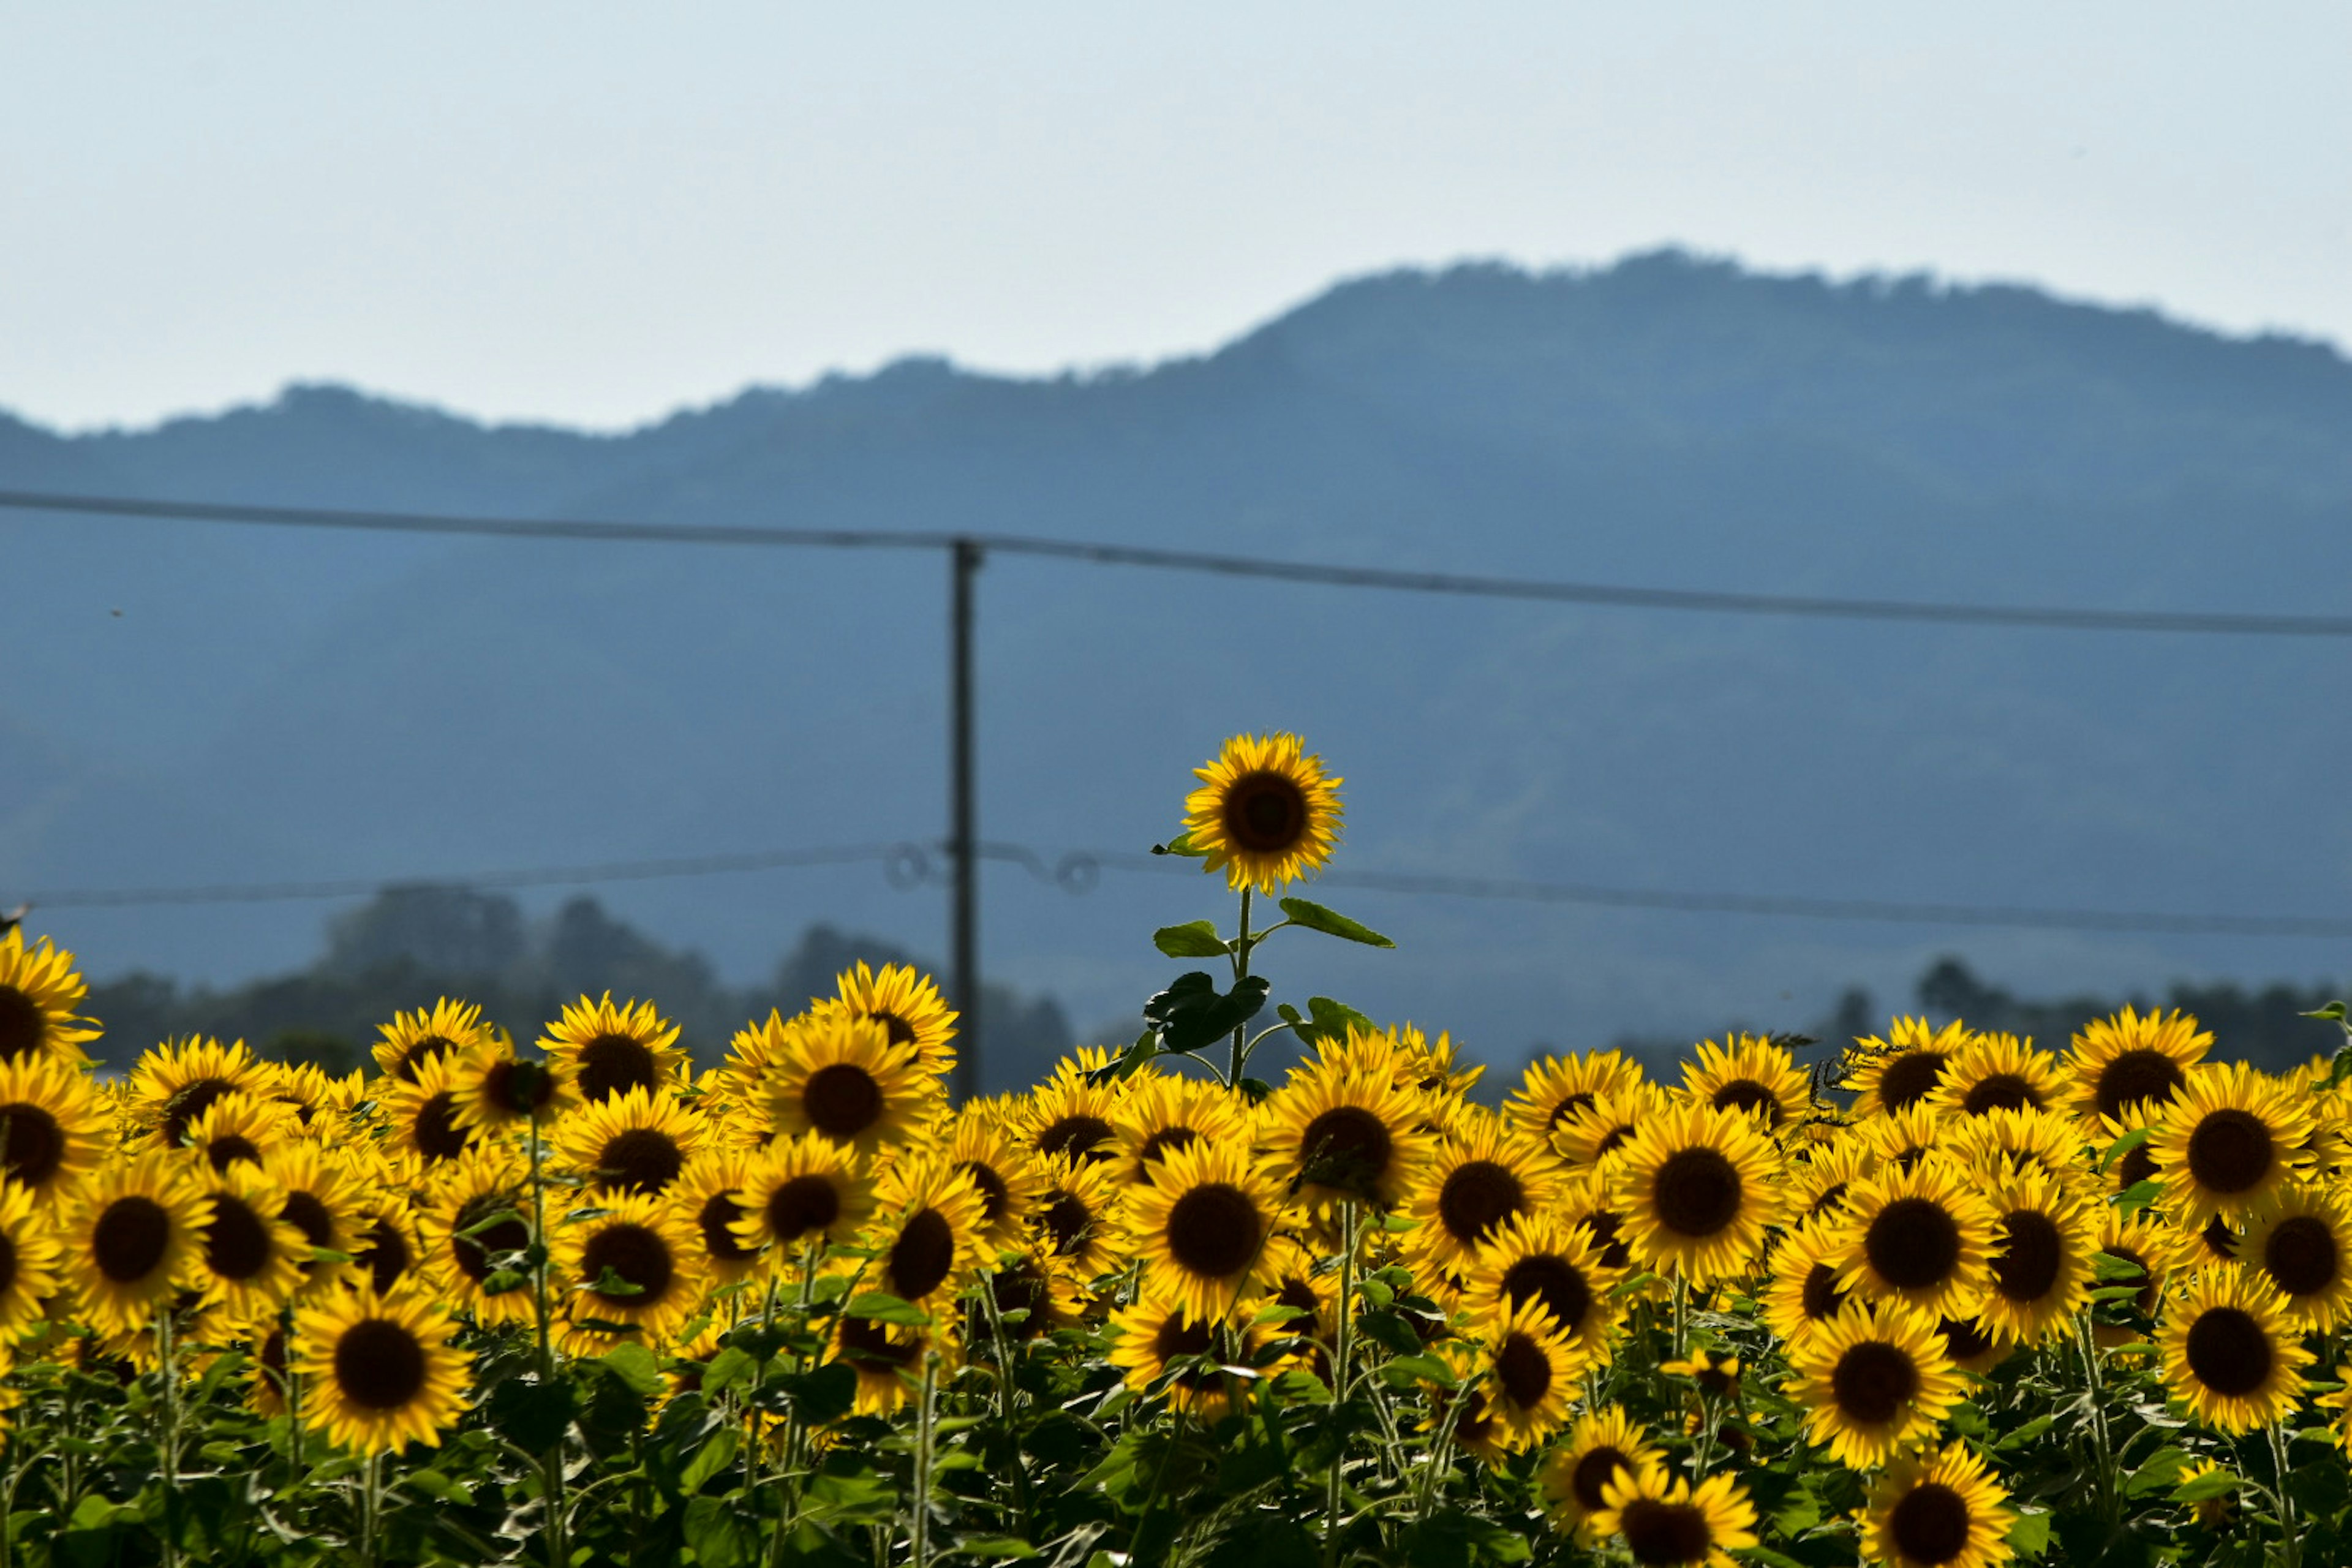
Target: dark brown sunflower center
point(1522, 1372)
point(1963, 1339)
point(1592, 1475)
point(2027, 1267)
point(1873, 1380)
point(518, 1088)
point(2134, 1077)
point(1913, 1243)
point(237, 1241)
point(995, 1197)
point(1021, 1287)
point(431, 1047)
point(615, 1064)
point(717, 1218)
point(2228, 1351)
point(1069, 1222)
point(2001, 1091)
point(7, 1262)
point(901, 1032)
point(1746, 1094)
point(472, 1253)
point(190, 1103)
point(1698, 1192)
point(641, 1160)
point(1662, 1533)
point(230, 1148)
point(1568, 1107)
point(1214, 1231)
point(637, 1254)
point(306, 1213)
point(1930, 1523)
point(2231, 1151)
point(2300, 1253)
point(32, 1144)
point(1610, 1140)
point(1910, 1078)
point(131, 1239)
point(1299, 1295)
point(1479, 1195)
point(2218, 1238)
point(1604, 1228)
point(1348, 1148)
point(1265, 813)
point(272, 1354)
point(2137, 1165)
point(1553, 1281)
point(1157, 1145)
point(868, 1340)
point(1832, 1196)
point(1473, 1422)
point(22, 1024)
point(439, 1135)
point(920, 1259)
point(842, 1100)
point(379, 1364)
point(384, 1251)
point(1821, 1295)
point(802, 1207)
point(1177, 1338)
point(1075, 1135)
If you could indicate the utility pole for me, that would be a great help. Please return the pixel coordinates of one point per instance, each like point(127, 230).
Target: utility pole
point(962, 824)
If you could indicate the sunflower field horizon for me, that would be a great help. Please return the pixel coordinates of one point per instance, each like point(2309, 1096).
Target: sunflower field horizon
point(1932, 1297)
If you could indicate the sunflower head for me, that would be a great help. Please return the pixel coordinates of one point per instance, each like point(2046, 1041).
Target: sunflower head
point(607, 1050)
point(1903, 1069)
point(908, 1005)
point(2300, 1239)
point(839, 1078)
point(2128, 1066)
point(179, 1080)
point(1603, 1445)
point(1923, 1236)
point(1872, 1381)
point(632, 1142)
point(1165, 1350)
point(381, 1371)
point(1668, 1523)
point(449, 1029)
point(1266, 813)
point(499, 1088)
point(1481, 1180)
point(1995, 1071)
point(1696, 1187)
point(798, 1192)
point(1340, 1136)
point(629, 1268)
point(1749, 1074)
point(1554, 1090)
point(1203, 1226)
point(2231, 1353)
point(1939, 1508)
point(38, 992)
point(52, 1133)
point(2228, 1139)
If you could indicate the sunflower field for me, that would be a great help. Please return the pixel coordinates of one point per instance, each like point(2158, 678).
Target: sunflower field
point(1936, 1300)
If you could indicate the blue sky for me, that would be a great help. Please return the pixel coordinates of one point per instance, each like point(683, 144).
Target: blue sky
point(595, 214)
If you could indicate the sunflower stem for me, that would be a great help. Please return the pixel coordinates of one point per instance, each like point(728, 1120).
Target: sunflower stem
point(371, 1510)
point(167, 1347)
point(1343, 1356)
point(2101, 1441)
point(2290, 1548)
point(552, 1467)
point(1241, 972)
point(925, 1424)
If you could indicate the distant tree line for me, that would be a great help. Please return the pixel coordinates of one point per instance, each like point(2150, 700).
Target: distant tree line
point(409, 946)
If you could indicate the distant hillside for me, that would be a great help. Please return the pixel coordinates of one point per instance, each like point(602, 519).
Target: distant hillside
point(270, 705)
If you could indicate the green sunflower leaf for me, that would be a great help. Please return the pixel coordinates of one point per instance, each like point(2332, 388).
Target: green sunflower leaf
point(2205, 1487)
point(2139, 1196)
point(1194, 939)
point(1193, 1013)
point(2030, 1536)
point(1181, 844)
point(1330, 923)
point(886, 1309)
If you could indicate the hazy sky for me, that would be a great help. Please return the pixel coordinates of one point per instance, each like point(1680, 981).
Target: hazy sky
point(594, 213)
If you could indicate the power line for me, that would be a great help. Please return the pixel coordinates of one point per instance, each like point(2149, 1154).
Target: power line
point(1076, 871)
point(2228, 623)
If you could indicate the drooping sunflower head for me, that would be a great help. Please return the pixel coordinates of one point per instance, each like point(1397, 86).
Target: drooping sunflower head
point(2141, 1252)
point(1822, 1180)
point(2126, 1067)
point(1265, 814)
point(1747, 1073)
point(1871, 1382)
point(1994, 1071)
point(1939, 1508)
point(449, 1029)
point(1032, 1295)
point(1697, 1188)
point(1081, 1215)
point(387, 1249)
point(2300, 1239)
point(1668, 1523)
point(38, 992)
point(2044, 1241)
point(797, 1194)
point(1904, 1069)
point(1555, 1088)
point(381, 1371)
point(1481, 1179)
point(322, 1200)
point(1202, 1225)
point(251, 1260)
point(1595, 1134)
point(1164, 1349)
point(1070, 1116)
point(607, 1050)
point(1806, 1289)
point(476, 1230)
point(52, 1132)
point(2231, 1354)
point(629, 1268)
point(840, 1079)
point(632, 1142)
point(1923, 1236)
point(179, 1080)
point(1544, 1262)
point(2228, 1139)
point(985, 1150)
point(908, 1005)
point(1605, 1445)
point(709, 1192)
point(1337, 1136)
point(1528, 1372)
point(888, 1358)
